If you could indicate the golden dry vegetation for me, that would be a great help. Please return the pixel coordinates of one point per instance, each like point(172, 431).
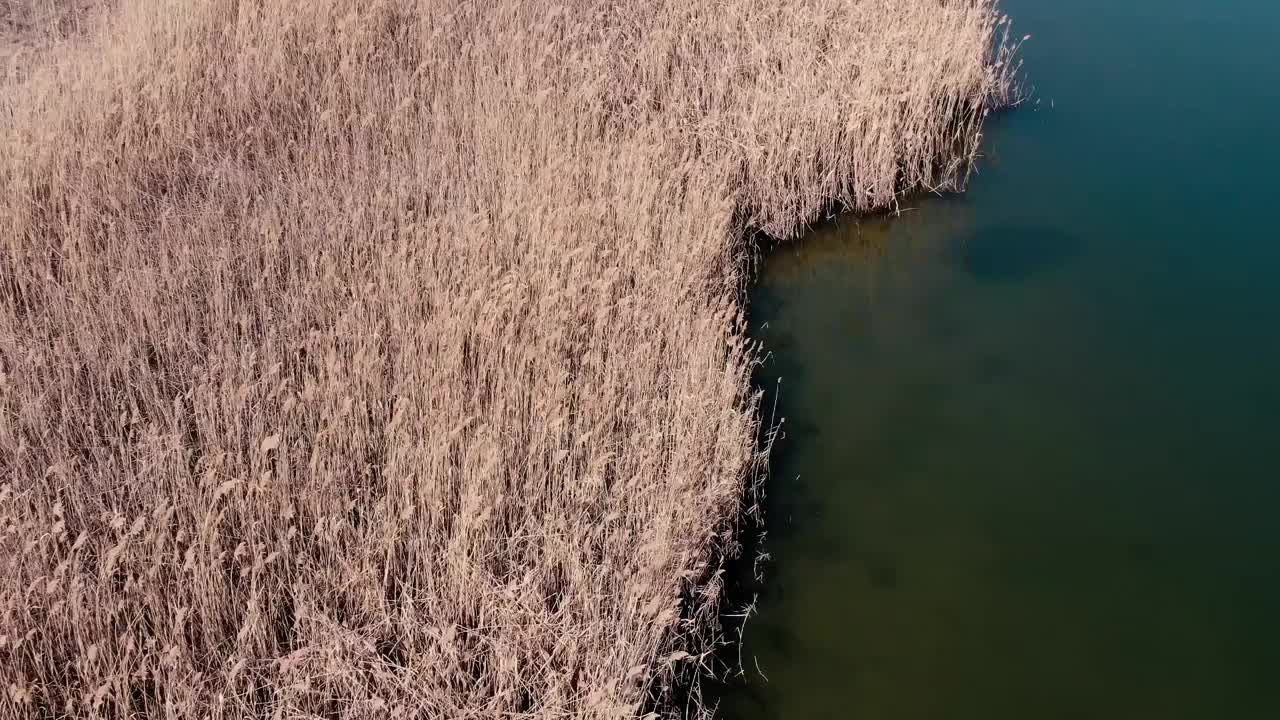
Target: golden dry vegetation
point(384, 358)
point(28, 27)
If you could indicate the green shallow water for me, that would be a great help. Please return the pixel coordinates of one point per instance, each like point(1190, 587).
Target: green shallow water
point(1032, 433)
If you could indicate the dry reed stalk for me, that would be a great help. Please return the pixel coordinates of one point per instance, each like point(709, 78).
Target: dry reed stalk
point(385, 359)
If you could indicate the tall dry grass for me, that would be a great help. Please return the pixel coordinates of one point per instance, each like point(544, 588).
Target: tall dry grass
point(30, 27)
point(385, 359)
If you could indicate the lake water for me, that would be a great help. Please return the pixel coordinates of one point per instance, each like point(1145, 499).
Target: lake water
point(1032, 457)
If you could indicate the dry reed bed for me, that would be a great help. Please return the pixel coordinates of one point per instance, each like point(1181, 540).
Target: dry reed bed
point(384, 359)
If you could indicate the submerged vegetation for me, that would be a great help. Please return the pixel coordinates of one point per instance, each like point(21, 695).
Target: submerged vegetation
point(384, 359)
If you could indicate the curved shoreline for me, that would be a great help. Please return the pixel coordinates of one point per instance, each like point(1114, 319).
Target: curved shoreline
point(391, 355)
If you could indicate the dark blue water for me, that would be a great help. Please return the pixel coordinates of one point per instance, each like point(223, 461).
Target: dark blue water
point(1031, 465)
